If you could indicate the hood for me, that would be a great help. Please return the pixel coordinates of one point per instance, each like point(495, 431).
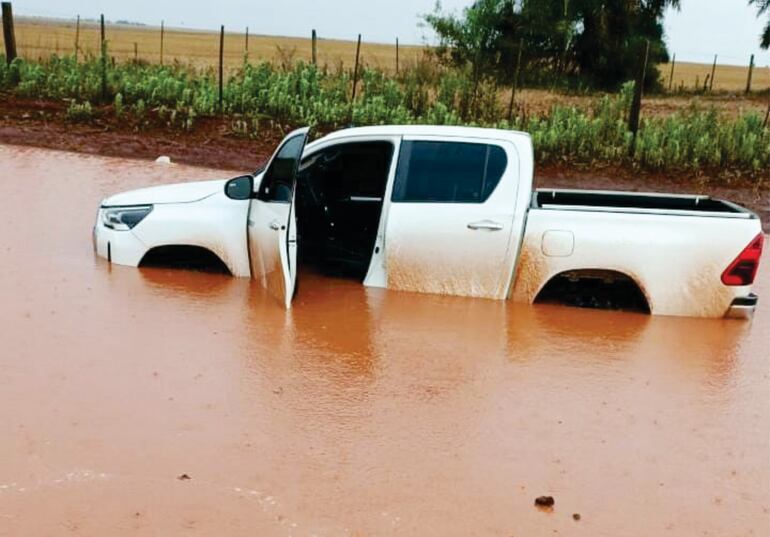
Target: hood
point(176, 193)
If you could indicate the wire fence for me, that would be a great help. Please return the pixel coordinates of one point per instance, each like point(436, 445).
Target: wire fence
point(38, 38)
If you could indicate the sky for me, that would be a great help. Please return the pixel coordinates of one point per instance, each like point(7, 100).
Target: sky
point(701, 29)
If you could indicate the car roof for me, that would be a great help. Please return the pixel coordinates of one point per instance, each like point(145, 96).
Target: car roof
point(425, 130)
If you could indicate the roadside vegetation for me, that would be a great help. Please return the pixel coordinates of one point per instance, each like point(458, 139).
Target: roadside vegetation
point(266, 96)
point(590, 43)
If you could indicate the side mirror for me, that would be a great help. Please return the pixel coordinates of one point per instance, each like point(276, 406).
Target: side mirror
point(240, 188)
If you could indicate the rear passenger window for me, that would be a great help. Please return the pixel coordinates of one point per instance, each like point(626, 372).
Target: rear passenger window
point(448, 172)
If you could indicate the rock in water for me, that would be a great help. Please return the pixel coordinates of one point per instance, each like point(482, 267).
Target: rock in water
point(545, 501)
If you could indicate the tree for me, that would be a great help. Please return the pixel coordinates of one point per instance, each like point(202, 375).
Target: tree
point(599, 42)
point(763, 6)
point(473, 39)
point(609, 48)
point(488, 33)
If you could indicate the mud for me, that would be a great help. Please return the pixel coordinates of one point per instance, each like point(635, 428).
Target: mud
point(167, 402)
point(212, 143)
point(531, 273)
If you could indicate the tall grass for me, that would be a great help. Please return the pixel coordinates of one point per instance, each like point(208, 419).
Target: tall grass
point(302, 94)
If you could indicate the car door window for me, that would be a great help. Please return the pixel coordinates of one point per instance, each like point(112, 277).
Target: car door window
point(448, 172)
point(359, 170)
point(350, 171)
point(278, 182)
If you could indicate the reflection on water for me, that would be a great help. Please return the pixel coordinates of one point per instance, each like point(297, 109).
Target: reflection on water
point(359, 411)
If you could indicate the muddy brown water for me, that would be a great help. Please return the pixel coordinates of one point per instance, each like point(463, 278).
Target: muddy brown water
point(358, 412)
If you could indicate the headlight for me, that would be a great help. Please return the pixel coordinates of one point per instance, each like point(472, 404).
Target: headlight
point(124, 218)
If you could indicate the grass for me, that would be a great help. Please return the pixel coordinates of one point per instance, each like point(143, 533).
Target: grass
point(724, 131)
point(39, 38)
point(693, 139)
point(731, 78)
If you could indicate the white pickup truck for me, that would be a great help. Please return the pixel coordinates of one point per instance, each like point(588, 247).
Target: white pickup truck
point(446, 210)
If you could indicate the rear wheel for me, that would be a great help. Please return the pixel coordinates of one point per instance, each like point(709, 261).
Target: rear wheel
point(595, 289)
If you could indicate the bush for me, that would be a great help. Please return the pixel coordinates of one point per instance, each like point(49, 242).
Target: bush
point(80, 112)
point(303, 94)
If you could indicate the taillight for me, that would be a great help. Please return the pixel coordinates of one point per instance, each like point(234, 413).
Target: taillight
point(743, 270)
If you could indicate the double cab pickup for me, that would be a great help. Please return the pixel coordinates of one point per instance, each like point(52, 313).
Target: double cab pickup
point(447, 210)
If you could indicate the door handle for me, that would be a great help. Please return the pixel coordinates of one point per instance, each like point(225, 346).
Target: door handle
point(488, 225)
point(275, 226)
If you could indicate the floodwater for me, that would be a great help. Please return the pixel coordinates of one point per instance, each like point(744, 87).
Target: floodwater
point(166, 402)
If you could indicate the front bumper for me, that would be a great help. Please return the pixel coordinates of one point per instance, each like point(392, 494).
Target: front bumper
point(743, 307)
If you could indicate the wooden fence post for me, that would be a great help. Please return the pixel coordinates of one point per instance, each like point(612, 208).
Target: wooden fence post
point(515, 85)
point(397, 55)
point(314, 50)
point(162, 32)
point(221, 67)
point(671, 76)
point(355, 69)
point(136, 52)
point(8, 33)
point(247, 40)
point(77, 38)
point(104, 59)
point(751, 72)
point(713, 72)
point(636, 104)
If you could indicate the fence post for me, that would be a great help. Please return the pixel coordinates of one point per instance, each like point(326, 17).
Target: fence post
point(77, 38)
point(8, 33)
point(162, 31)
point(671, 76)
point(221, 67)
point(515, 85)
point(104, 59)
point(247, 40)
point(636, 104)
point(355, 70)
point(314, 51)
point(397, 55)
point(136, 52)
point(751, 72)
point(713, 72)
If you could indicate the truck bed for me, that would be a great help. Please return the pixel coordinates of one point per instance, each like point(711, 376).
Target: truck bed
point(637, 202)
point(675, 250)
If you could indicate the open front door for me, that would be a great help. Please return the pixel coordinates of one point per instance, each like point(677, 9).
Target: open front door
point(272, 224)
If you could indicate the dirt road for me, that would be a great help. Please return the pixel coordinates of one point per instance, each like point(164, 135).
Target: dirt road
point(163, 402)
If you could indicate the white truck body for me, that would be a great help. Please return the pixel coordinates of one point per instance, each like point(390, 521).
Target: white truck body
point(482, 232)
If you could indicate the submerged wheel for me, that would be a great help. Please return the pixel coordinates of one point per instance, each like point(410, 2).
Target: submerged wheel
point(594, 289)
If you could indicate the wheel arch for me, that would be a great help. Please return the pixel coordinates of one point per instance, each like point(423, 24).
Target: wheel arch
point(624, 282)
point(193, 256)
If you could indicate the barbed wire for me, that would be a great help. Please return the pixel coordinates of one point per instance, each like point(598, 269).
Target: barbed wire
point(761, 60)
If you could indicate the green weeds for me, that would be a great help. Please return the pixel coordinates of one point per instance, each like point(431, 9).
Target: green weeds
point(301, 94)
